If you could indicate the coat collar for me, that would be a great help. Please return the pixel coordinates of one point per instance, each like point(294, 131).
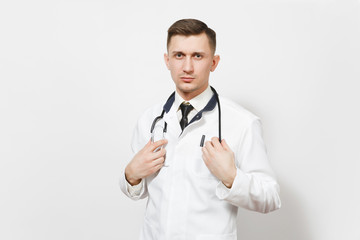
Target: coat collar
point(209, 106)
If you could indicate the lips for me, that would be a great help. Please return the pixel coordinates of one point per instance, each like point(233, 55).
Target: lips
point(187, 79)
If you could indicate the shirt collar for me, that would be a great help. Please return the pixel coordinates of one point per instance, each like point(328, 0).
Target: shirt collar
point(199, 102)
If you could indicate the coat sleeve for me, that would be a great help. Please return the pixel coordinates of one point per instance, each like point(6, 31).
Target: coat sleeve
point(254, 187)
point(138, 191)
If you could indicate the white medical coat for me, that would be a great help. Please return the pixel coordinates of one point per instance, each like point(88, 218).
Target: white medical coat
point(185, 200)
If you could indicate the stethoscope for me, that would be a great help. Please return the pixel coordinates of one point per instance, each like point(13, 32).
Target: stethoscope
point(167, 106)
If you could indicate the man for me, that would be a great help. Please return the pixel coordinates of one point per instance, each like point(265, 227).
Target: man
point(194, 189)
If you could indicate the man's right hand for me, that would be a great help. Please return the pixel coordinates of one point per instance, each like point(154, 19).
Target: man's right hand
point(145, 162)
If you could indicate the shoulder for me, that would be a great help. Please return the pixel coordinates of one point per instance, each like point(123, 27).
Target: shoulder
point(150, 113)
point(236, 111)
point(141, 132)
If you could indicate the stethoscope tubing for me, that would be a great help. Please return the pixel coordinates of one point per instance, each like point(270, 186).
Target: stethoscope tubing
point(219, 110)
point(163, 112)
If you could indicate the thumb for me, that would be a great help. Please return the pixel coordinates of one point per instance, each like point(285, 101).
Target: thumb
point(148, 143)
point(224, 145)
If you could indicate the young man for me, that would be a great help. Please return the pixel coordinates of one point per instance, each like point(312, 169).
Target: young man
point(194, 189)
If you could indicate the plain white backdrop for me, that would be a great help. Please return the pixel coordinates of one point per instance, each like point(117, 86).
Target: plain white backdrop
point(76, 75)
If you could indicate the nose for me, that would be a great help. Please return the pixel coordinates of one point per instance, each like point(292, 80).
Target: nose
point(188, 65)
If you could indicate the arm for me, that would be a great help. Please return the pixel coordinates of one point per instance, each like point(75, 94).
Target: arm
point(143, 164)
point(253, 186)
point(135, 192)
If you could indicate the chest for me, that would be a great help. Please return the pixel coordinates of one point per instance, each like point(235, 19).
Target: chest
point(184, 150)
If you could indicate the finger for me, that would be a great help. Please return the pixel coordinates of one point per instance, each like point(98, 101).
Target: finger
point(205, 154)
point(225, 145)
point(209, 147)
point(157, 144)
point(158, 161)
point(157, 167)
point(159, 153)
point(154, 169)
point(205, 159)
point(204, 151)
point(216, 143)
point(148, 143)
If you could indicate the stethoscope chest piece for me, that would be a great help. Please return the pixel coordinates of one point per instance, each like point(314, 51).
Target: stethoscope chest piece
point(159, 130)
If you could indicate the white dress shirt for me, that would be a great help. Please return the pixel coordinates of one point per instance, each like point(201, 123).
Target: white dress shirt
point(198, 102)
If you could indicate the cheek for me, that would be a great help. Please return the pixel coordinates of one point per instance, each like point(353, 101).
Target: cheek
point(174, 67)
point(175, 73)
point(203, 73)
point(203, 68)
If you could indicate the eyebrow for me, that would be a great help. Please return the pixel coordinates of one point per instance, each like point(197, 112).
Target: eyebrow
point(193, 53)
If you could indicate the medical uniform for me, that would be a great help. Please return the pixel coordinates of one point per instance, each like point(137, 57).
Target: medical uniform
point(185, 200)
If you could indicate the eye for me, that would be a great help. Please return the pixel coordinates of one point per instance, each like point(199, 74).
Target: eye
point(178, 55)
point(198, 56)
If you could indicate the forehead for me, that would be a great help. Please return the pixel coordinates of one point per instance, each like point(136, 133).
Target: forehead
point(192, 43)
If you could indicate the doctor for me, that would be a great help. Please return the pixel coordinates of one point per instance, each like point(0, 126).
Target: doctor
point(195, 189)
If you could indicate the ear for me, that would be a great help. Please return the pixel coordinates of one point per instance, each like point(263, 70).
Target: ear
point(166, 59)
point(215, 62)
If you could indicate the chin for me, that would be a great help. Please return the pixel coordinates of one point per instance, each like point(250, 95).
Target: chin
point(186, 87)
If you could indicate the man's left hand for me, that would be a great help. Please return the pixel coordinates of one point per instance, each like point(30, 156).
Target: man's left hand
point(220, 160)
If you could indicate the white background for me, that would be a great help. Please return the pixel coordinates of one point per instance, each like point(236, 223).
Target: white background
point(76, 75)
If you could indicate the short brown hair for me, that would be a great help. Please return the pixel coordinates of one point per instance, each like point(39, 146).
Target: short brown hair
point(188, 27)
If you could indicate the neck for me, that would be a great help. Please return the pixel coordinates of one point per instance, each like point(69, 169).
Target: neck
point(187, 96)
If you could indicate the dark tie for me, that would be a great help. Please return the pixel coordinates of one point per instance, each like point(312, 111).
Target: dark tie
point(185, 109)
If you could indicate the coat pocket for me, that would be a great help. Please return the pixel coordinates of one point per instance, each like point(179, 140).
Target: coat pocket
point(198, 167)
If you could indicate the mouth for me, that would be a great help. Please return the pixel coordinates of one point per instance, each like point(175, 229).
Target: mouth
point(187, 79)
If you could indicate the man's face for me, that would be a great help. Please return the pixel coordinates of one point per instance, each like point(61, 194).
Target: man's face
point(190, 61)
